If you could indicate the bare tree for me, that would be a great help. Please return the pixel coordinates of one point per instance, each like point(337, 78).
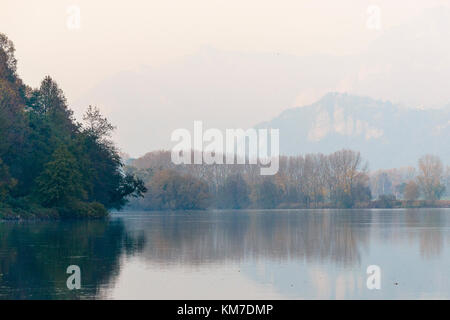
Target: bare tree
point(430, 177)
point(412, 191)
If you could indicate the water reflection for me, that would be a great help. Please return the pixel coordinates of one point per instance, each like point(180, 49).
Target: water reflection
point(224, 237)
point(230, 254)
point(34, 257)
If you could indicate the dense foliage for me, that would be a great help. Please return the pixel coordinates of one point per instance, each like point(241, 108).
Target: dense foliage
point(170, 190)
point(51, 165)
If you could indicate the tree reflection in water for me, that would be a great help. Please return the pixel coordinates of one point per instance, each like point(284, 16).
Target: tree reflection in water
point(215, 237)
point(34, 255)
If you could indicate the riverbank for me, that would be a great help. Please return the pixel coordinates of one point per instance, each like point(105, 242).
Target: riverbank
point(375, 204)
point(97, 211)
point(32, 211)
point(398, 204)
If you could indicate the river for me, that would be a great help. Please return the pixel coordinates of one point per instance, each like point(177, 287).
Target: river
point(254, 254)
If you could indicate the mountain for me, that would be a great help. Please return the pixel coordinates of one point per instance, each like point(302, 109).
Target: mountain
point(387, 135)
point(408, 64)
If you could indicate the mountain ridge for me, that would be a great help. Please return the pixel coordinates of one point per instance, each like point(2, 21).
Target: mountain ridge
point(374, 127)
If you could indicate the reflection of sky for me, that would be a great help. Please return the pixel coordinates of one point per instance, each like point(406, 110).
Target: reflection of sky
point(416, 277)
point(139, 281)
point(294, 279)
point(410, 249)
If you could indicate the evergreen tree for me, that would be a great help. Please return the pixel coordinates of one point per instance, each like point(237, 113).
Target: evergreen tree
point(47, 158)
point(60, 181)
point(6, 181)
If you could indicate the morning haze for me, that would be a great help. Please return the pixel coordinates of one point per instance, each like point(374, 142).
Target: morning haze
point(211, 149)
point(165, 64)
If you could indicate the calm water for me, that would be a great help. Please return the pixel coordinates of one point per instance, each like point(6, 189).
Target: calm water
point(295, 254)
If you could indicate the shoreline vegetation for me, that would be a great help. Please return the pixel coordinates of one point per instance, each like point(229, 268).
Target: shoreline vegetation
point(337, 180)
point(53, 167)
point(41, 213)
point(380, 204)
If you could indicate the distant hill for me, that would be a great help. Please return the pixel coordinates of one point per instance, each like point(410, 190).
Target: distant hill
point(408, 64)
point(386, 134)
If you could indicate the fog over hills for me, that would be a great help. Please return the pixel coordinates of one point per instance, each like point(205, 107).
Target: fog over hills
point(223, 89)
point(386, 134)
point(408, 65)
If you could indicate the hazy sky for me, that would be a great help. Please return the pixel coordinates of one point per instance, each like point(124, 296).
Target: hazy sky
point(154, 66)
point(121, 35)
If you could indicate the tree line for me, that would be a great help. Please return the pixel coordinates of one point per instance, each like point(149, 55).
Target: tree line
point(53, 166)
point(50, 164)
point(430, 181)
point(337, 180)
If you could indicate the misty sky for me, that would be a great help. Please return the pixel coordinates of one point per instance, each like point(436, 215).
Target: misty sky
point(117, 36)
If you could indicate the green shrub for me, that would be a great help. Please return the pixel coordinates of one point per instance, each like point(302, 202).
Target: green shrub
point(75, 209)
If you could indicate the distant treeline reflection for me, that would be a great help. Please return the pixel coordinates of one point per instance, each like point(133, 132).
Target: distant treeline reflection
point(338, 236)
